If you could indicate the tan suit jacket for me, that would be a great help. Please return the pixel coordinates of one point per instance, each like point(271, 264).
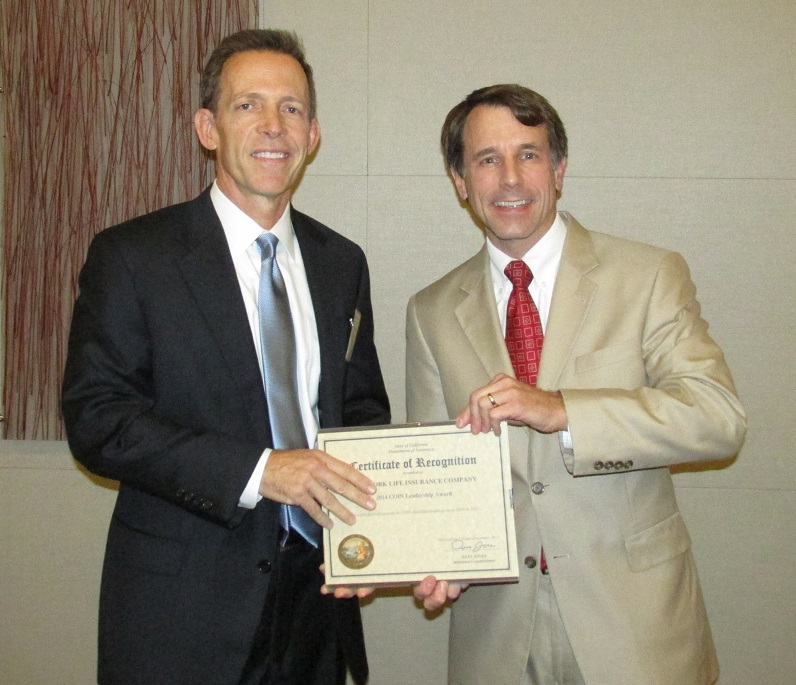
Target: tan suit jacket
point(644, 387)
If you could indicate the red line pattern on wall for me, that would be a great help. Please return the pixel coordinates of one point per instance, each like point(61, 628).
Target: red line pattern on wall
point(98, 103)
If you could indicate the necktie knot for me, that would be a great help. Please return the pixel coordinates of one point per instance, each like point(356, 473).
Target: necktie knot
point(519, 274)
point(267, 244)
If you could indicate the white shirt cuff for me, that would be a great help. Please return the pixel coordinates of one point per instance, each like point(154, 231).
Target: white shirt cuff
point(567, 451)
point(251, 495)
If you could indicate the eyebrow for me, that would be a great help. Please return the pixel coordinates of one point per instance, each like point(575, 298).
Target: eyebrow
point(494, 150)
point(256, 95)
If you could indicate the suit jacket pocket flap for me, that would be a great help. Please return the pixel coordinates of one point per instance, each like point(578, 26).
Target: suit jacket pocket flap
point(661, 542)
point(144, 550)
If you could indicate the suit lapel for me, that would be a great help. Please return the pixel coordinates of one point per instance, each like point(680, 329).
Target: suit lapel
point(210, 275)
point(322, 277)
point(572, 297)
point(478, 316)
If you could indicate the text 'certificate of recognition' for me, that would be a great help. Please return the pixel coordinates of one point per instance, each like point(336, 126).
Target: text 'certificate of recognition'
point(443, 507)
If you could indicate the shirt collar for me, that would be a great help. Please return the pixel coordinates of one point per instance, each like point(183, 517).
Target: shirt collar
point(542, 259)
point(241, 230)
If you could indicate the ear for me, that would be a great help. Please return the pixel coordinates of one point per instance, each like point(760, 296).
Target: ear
point(559, 171)
point(204, 121)
point(315, 135)
point(461, 186)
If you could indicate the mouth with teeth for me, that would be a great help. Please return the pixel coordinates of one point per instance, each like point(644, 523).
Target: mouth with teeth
point(511, 204)
point(266, 154)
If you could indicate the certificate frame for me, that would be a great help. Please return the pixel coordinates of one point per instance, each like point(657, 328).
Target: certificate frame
point(443, 507)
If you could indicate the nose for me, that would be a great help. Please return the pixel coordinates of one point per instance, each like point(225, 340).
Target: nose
point(271, 122)
point(509, 173)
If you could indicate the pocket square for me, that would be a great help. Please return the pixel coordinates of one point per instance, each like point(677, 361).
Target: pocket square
point(353, 335)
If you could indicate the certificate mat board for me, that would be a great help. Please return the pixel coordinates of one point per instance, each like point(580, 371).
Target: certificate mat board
point(443, 507)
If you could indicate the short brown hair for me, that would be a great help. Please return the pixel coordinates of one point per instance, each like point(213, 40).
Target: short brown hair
point(527, 106)
point(273, 40)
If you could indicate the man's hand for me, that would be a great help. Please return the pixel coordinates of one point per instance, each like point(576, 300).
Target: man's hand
point(506, 398)
point(308, 478)
point(434, 593)
point(346, 592)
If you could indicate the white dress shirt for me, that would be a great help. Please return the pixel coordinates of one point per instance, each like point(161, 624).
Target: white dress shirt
point(242, 232)
point(543, 259)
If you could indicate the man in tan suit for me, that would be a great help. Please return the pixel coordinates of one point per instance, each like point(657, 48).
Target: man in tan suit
point(629, 383)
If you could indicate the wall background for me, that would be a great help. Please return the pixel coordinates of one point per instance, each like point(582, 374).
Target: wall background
point(682, 126)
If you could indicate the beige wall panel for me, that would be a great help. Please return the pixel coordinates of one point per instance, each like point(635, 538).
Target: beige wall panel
point(645, 88)
point(417, 232)
point(335, 35)
point(52, 543)
point(745, 546)
point(340, 202)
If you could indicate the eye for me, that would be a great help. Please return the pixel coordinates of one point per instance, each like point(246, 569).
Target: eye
point(529, 155)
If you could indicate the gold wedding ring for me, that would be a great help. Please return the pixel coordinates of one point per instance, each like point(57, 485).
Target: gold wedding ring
point(491, 399)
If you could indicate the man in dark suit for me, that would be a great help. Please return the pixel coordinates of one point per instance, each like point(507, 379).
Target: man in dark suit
point(164, 392)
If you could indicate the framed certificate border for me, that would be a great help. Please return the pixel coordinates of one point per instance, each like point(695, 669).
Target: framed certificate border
point(443, 507)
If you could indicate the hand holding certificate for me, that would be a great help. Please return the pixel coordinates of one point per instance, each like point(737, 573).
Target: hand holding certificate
point(443, 507)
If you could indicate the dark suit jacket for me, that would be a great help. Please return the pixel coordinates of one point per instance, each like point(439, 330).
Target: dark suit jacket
point(163, 392)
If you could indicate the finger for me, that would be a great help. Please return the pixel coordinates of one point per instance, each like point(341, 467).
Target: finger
point(335, 507)
point(438, 597)
point(485, 405)
point(349, 474)
point(348, 593)
point(424, 588)
point(454, 590)
point(323, 495)
point(309, 504)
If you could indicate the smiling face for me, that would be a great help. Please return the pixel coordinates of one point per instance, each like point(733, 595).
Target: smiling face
point(261, 131)
point(509, 179)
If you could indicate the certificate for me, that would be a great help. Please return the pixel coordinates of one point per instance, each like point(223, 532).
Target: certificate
point(443, 507)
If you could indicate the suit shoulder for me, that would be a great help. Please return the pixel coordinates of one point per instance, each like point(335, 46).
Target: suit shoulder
point(156, 226)
point(306, 226)
point(612, 247)
point(455, 279)
point(620, 263)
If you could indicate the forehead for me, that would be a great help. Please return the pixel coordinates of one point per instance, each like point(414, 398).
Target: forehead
point(263, 71)
point(489, 127)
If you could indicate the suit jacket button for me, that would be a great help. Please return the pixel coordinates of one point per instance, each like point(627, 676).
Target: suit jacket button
point(207, 504)
point(530, 562)
point(188, 496)
point(264, 566)
point(629, 464)
point(619, 465)
point(598, 466)
point(537, 488)
point(609, 465)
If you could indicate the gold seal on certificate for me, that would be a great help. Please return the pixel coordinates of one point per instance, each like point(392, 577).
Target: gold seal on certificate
point(355, 551)
point(443, 507)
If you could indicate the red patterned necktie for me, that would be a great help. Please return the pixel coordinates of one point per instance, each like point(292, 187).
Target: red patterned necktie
point(524, 335)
